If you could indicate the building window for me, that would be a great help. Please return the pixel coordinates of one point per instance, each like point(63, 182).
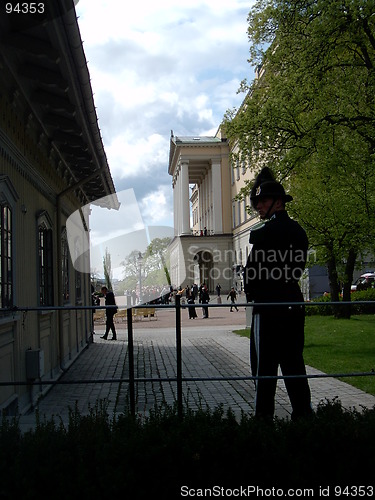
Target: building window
point(45, 262)
point(6, 257)
point(78, 288)
point(65, 265)
point(78, 277)
point(8, 201)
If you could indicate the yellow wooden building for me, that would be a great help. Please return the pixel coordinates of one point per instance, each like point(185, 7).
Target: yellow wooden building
point(52, 163)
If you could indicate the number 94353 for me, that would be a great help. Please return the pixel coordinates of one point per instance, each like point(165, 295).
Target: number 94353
point(24, 8)
point(354, 491)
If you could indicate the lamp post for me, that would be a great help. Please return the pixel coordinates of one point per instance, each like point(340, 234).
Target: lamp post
point(140, 261)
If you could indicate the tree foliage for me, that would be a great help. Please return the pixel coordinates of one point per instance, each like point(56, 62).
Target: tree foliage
point(153, 265)
point(107, 268)
point(157, 253)
point(310, 117)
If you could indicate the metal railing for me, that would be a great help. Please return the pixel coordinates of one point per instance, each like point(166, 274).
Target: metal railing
point(179, 378)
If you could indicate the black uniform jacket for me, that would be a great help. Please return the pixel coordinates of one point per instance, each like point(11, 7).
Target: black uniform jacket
point(110, 301)
point(276, 261)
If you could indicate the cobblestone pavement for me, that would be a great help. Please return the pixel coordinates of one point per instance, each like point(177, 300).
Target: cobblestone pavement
point(209, 349)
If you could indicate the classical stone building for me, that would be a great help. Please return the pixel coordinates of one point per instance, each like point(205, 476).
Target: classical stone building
point(211, 228)
point(52, 163)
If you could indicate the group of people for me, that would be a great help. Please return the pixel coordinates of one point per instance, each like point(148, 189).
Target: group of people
point(149, 295)
point(274, 267)
point(201, 293)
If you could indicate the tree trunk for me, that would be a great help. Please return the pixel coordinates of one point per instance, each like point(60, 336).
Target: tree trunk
point(334, 284)
point(349, 271)
point(165, 268)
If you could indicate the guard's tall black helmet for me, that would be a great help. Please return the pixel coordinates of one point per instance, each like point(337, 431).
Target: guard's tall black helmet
point(265, 186)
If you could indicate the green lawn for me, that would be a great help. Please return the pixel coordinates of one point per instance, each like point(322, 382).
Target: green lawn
point(341, 346)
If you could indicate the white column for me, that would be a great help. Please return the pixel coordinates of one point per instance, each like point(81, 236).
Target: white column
point(204, 203)
point(184, 201)
point(201, 194)
point(178, 208)
point(216, 195)
point(208, 183)
point(175, 206)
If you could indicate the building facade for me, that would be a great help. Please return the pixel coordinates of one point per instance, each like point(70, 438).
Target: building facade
point(211, 228)
point(52, 163)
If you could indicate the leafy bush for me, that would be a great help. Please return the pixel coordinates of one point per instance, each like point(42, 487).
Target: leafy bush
point(98, 456)
point(364, 295)
point(326, 310)
point(322, 310)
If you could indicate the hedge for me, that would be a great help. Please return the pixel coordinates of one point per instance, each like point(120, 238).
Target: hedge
point(326, 310)
point(98, 456)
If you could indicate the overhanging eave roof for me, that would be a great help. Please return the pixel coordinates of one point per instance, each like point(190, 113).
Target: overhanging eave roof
point(45, 57)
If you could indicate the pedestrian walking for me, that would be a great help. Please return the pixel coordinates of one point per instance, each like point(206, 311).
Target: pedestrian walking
point(273, 270)
point(110, 313)
point(233, 296)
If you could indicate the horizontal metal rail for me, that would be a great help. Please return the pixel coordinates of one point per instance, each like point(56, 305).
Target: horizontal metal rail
point(190, 379)
point(179, 378)
point(173, 306)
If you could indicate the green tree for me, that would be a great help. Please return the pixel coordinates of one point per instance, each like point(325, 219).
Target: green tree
point(153, 265)
point(107, 267)
point(131, 271)
point(310, 116)
point(335, 218)
point(157, 255)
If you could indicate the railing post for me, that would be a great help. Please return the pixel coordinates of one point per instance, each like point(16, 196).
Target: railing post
point(178, 355)
point(131, 361)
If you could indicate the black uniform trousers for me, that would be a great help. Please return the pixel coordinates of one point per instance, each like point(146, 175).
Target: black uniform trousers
point(109, 324)
point(277, 339)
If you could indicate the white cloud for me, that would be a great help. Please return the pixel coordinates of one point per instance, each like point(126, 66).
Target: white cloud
point(155, 206)
point(159, 66)
point(138, 157)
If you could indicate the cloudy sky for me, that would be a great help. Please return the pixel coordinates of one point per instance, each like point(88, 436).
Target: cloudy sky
point(156, 67)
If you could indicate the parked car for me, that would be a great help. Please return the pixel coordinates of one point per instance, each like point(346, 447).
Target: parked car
point(365, 281)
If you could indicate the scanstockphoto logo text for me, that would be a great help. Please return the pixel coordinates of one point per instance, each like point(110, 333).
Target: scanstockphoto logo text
point(286, 264)
point(251, 491)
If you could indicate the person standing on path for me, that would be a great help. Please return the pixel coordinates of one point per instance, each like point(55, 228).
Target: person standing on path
point(204, 297)
point(109, 312)
point(192, 311)
point(233, 296)
point(274, 267)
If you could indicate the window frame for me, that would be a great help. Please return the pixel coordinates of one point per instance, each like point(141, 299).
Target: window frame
point(45, 261)
point(6, 256)
point(8, 202)
point(65, 266)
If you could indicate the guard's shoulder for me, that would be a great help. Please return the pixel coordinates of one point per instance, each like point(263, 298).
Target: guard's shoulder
point(257, 234)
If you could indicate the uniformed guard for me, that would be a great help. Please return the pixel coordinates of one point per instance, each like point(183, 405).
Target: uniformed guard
point(274, 267)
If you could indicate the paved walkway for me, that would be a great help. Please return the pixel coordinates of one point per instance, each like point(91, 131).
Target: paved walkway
point(209, 349)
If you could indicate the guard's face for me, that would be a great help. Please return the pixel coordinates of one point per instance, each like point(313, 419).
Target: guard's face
point(264, 207)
